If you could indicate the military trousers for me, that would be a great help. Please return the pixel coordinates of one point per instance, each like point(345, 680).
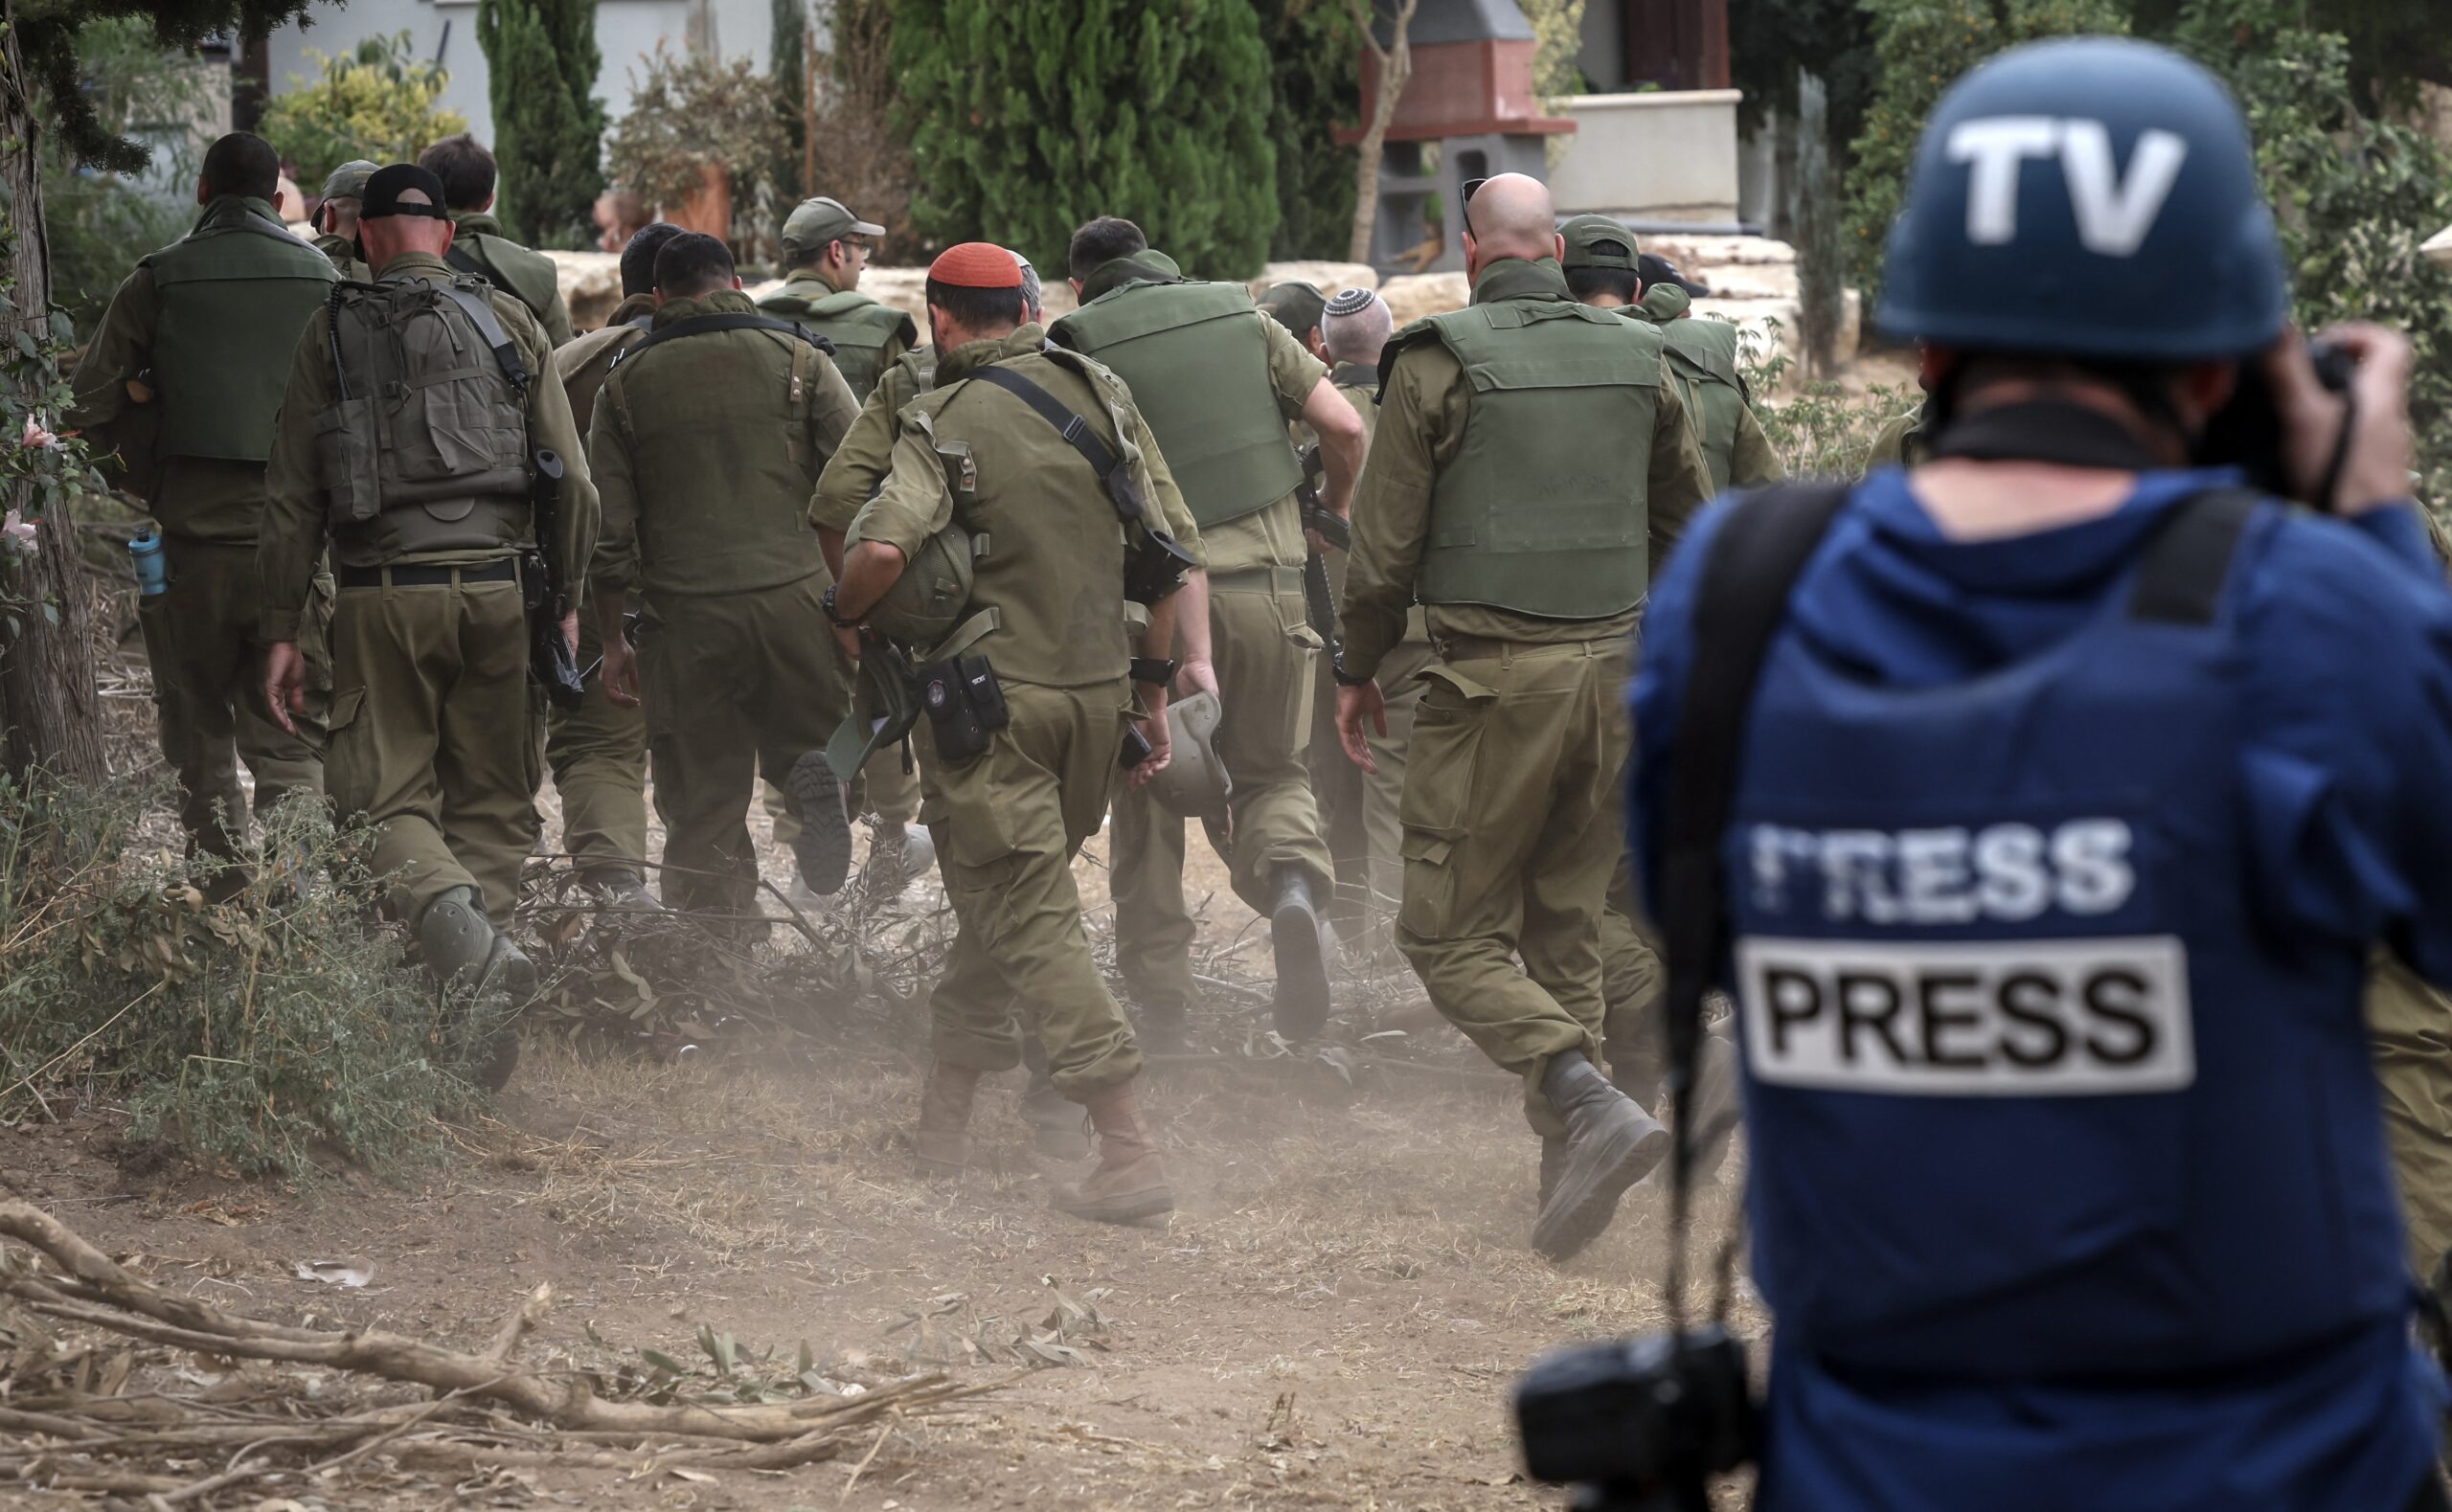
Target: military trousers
point(2410, 1025)
point(599, 756)
point(1338, 787)
point(1007, 824)
point(1632, 982)
point(732, 684)
point(208, 689)
point(1403, 680)
point(1264, 651)
point(435, 737)
point(1510, 837)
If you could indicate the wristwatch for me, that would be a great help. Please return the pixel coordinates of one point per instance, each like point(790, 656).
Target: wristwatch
point(828, 602)
point(1346, 679)
point(1155, 671)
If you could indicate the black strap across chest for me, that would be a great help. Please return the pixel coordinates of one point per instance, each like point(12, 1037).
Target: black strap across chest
point(1074, 430)
point(708, 325)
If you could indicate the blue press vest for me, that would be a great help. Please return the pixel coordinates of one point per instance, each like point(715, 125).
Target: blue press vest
point(2035, 1101)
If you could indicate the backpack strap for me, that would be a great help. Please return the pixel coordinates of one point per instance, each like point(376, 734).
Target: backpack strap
point(2188, 559)
point(480, 312)
point(704, 325)
point(476, 267)
point(1074, 430)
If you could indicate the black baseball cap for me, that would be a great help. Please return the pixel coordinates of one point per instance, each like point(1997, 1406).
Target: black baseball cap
point(385, 186)
point(1652, 269)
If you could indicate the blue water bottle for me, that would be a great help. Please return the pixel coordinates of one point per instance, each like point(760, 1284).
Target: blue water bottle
point(152, 572)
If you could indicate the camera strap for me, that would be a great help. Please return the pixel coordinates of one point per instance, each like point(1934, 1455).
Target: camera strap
point(1754, 560)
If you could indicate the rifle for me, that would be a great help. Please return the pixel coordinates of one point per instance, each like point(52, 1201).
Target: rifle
point(547, 593)
point(1318, 603)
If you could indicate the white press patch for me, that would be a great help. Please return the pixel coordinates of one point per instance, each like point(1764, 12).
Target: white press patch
point(2114, 212)
point(1991, 1018)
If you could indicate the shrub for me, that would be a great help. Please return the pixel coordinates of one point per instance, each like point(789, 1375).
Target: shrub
point(100, 222)
point(1315, 76)
point(379, 102)
point(541, 61)
point(263, 1032)
point(1027, 120)
point(691, 113)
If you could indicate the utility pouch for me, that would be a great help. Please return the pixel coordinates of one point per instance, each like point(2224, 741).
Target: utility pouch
point(344, 455)
point(965, 705)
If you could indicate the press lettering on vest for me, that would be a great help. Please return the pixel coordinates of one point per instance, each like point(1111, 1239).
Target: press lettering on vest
point(2003, 1018)
point(2113, 215)
point(1948, 874)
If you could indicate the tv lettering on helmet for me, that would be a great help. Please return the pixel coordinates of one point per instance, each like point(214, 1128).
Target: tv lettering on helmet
point(2114, 213)
point(1943, 874)
point(1969, 1018)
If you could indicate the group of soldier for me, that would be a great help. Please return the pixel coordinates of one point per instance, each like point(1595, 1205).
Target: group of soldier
point(995, 585)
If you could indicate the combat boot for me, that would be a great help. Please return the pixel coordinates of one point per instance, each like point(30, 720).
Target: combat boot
point(822, 845)
point(944, 1143)
point(619, 890)
point(1057, 1125)
point(1553, 1160)
point(1610, 1145)
point(1129, 1183)
point(897, 853)
point(481, 971)
point(1302, 940)
point(1715, 1115)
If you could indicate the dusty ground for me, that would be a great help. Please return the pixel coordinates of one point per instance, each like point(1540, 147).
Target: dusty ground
point(1332, 1319)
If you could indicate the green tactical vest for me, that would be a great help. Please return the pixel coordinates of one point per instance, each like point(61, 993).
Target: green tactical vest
point(1195, 358)
point(859, 327)
point(1542, 511)
point(234, 297)
point(1702, 362)
point(425, 447)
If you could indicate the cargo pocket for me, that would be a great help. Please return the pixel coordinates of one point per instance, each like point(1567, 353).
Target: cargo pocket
point(349, 759)
point(344, 455)
point(1443, 769)
point(1428, 906)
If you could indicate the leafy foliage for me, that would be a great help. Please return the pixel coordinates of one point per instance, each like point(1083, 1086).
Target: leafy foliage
point(1923, 46)
point(862, 158)
point(47, 37)
point(1027, 120)
point(259, 1032)
point(791, 70)
point(380, 102)
point(39, 468)
point(690, 113)
point(1315, 78)
point(1771, 40)
point(543, 59)
point(1822, 429)
point(1557, 43)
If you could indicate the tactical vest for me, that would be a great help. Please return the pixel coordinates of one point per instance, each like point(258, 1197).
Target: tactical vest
point(1543, 509)
point(1702, 361)
point(1195, 358)
point(425, 447)
point(859, 327)
point(728, 408)
point(232, 299)
point(1999, 957)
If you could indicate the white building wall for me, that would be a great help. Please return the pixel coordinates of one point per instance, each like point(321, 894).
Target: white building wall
point(446, 31)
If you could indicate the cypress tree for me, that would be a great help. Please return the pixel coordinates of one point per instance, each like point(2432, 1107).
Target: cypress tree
point(1027, 120)
point(543, 60)
point(1315, 66)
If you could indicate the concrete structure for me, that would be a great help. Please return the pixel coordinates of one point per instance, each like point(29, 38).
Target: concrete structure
point(1665, 155)
point(446, 31)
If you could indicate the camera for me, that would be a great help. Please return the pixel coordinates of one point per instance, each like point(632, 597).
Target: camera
point(2248, 431)
point(1639, 1425)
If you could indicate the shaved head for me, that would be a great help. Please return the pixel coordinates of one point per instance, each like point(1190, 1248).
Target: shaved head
point(1510, 217)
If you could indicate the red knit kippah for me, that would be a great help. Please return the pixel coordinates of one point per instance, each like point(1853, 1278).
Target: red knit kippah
point(976, 265)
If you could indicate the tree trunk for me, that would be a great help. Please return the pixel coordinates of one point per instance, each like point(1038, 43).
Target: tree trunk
point(1396, 70)
point(50, 711)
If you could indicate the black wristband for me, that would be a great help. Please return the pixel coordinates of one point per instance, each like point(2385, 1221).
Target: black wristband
point(828, 602)
point(1155, 671)
point(1346, 679)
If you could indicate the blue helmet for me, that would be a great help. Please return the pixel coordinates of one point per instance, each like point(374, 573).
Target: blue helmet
point(2092, 197)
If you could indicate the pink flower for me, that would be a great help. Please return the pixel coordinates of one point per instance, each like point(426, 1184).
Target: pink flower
point(18, 534)
point(36, 437)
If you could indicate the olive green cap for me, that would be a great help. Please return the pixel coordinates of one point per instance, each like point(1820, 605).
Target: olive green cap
point(349, 180)
point(1598, 241)
point(815, 222)
point(1297, 307)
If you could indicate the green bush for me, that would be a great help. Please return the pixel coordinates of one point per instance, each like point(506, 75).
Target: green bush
point(1315, 78)
point(542, 61)
point(100, 222)
point(264, 1032)
point(1027, 120)
point(690, 113)
point(379, 102)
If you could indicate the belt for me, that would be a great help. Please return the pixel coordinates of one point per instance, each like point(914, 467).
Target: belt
point(1482, 648)
point(1277, 579)
point(505, 571)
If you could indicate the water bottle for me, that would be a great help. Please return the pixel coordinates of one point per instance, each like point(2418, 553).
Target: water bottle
point(152, 570)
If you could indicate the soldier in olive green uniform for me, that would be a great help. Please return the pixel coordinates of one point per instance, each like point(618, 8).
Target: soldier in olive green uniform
point(336, 217)
point(1047, 611)
point(825, 249)
point(598, 750)
point(708, 437)
point(1902, 441)
point(408, 440)
point(184, 380)
point(467, 174)
point(1217, 382)
point(1519, 513)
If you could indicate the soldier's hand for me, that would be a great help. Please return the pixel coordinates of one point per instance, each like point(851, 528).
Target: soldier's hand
point(620, 672)
point(847, 637)
point(285, 683)
point(1160, 734)
point(1195, 676)
point(570, 632)
point(1353, 706)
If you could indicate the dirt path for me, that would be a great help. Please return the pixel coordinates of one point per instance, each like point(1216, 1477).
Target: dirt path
point(1330, 1319)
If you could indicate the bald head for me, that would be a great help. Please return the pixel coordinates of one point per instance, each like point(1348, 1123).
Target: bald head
point(1510, 217)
